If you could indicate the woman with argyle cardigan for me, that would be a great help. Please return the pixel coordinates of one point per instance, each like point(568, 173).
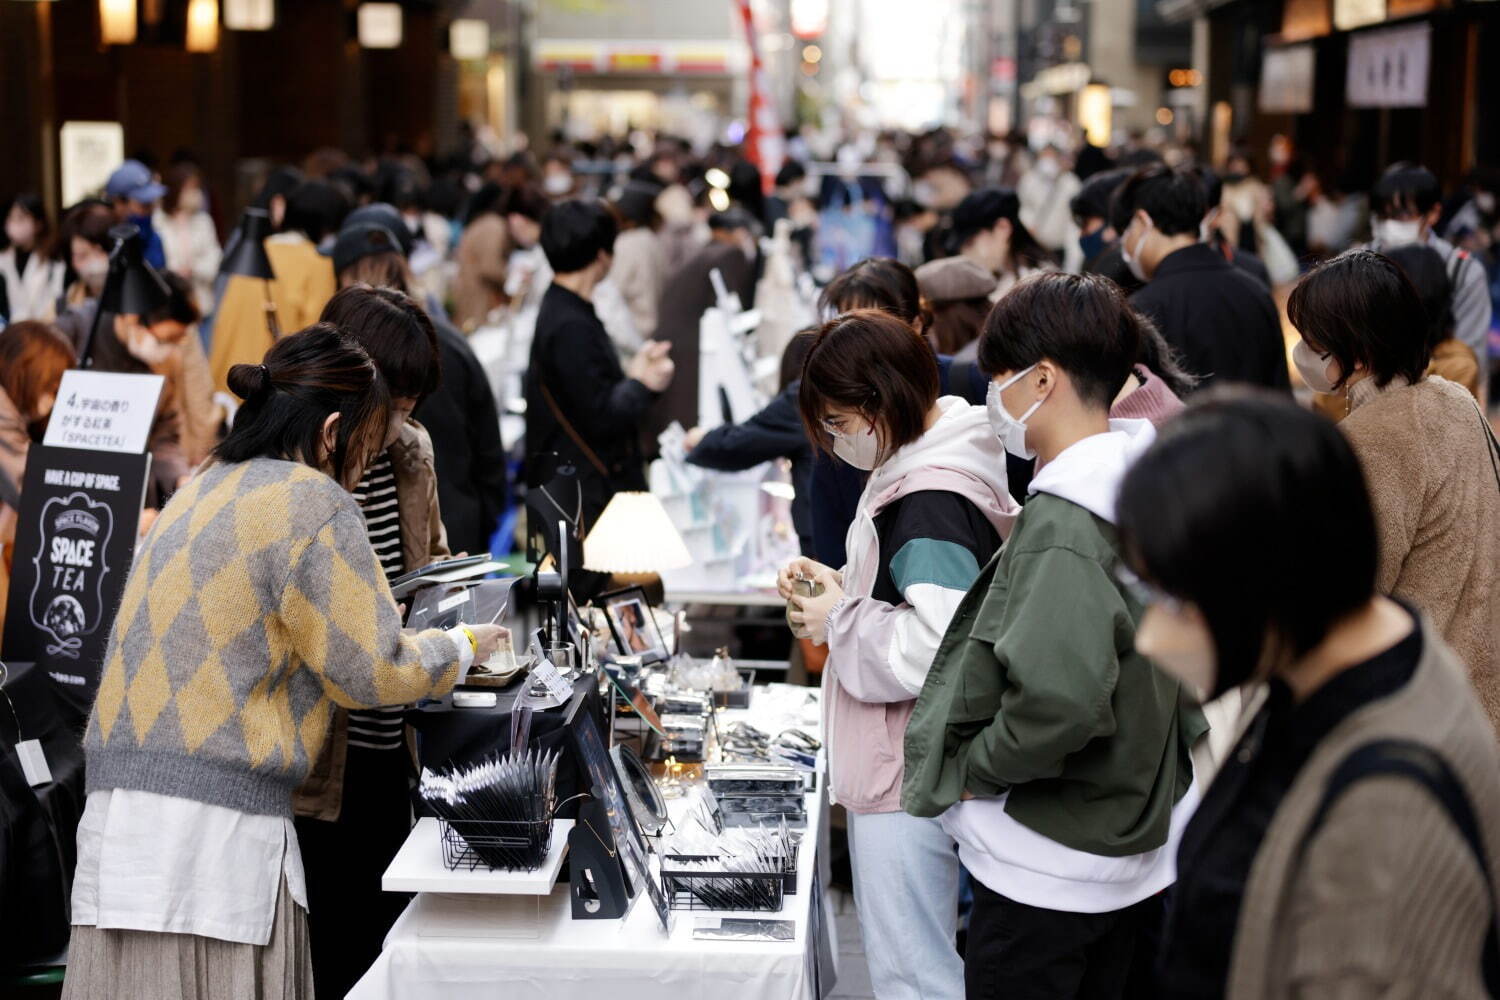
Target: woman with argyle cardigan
point(255, 605)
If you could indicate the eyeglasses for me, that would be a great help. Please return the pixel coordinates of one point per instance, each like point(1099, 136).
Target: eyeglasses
point(1145, 593)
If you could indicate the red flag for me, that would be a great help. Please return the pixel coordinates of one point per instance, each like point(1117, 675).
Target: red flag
point(765, 143)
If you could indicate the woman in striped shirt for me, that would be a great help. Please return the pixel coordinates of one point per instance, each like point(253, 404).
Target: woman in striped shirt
point(354, 810)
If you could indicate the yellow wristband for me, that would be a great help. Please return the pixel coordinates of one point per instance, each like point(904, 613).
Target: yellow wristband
point(473, 642)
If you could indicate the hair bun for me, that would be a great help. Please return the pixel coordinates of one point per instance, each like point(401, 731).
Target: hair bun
point(249, 381)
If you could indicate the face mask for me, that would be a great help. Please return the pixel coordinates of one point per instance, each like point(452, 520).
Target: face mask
point(20, 233)
point(1131, 260)
point(1234, 178)
point(1010, 430)
point(1312, 367)
point(1093, 244)
point(93, 273)
point(1397, 232)
point(190, 202)
point(557, 184)
point(1048, 168)
point(1485, 202)
point(861, 449)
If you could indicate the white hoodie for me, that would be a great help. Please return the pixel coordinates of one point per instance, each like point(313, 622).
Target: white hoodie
point(1012, 859)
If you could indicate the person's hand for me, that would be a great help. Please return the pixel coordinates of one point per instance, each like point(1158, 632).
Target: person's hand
point(487, 639)
point(652, 367)
point(801, 568)
point(693, 438)
point(809, 615)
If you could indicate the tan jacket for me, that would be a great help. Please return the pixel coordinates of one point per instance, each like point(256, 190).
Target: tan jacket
point(1386, 900)
point(1425, 453)
point(479, 284)
point(423, 541)
point(304, 284)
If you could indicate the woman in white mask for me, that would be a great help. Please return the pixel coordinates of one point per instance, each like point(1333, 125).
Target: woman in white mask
point(1428, 453)
point(187, 233)
point(31, 280)
point(86, 230)
point(935, 509)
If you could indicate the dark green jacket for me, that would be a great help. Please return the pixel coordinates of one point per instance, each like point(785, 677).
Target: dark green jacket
point(1037, 688)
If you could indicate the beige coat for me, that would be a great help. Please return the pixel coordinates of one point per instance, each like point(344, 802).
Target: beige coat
point(423, 541)
point(479, 285)
point(1386, 899)
point(1426, 458)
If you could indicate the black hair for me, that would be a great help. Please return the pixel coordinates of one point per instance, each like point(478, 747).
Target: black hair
point(31, 204)
point(1164, 361)
point(877, 283)
point(315, 208)
point(984, 208)
point(1405, 189)
point(280, 183)
point(394, 331)
point(526, 202)
point(487, 199)
point(1362, 309)
point(301, 380)
point(1174, 197)
point(791, 172)
point(575, 232)
point(178, 306)
point(1424, 268)
point(794, 355)
point(1093, 199)
point(1079, 322)
point(1255, 511)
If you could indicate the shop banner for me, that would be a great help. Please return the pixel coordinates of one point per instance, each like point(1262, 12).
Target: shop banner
point(75, 536)
point(1388, 68)
point(1287, 77)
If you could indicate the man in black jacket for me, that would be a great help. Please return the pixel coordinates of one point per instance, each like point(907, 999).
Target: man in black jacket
point(1219, 319)
point(582, 408)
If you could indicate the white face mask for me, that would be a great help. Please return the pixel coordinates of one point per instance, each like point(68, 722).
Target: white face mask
point(860, 449)
point(93, 273)
point(190, 202)
point(556, 184)
point(1010, 430)
point(1129, 257)
point(1048, 167)
point(1312, 367)
point(1397, 232)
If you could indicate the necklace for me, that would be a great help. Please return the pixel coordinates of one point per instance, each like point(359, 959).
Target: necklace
point(612, 852)
point(577, 508)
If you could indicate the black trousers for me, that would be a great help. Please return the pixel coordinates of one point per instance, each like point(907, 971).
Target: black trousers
point(1020, 952)
point(348, 914)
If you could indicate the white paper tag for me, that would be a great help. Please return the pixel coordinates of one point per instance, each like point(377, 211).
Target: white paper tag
point(544, 671)
point(452, 602)
point(34, 763)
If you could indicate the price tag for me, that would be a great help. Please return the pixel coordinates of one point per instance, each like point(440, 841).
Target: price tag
point(553, 681)
point(34, 763)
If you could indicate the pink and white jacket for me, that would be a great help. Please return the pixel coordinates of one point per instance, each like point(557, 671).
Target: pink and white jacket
point(879, 653)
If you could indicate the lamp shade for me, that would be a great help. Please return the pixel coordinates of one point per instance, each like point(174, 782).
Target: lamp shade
point(634, 535)
point(248, 256)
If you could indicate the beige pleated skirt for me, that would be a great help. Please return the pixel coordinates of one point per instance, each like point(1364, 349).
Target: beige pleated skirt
point(110, 964)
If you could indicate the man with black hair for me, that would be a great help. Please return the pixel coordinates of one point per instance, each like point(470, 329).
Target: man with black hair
point(1055, 753)
point(1222, 321)
point(582, 407)
point(1404, 206)
point(1098, 235)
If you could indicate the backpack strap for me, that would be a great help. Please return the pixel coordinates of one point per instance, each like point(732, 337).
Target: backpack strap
point(1425, 766)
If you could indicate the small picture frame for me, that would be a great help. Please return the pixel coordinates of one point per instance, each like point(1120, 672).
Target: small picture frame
point(633, 625)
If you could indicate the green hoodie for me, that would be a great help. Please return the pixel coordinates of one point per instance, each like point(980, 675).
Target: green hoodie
point(1037, 689)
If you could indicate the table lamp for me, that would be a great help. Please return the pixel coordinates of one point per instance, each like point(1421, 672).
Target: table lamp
point(634, 540)
point(131, 287)
point(248, 259)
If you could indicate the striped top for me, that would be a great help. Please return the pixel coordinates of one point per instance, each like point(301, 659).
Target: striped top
point(380, 728)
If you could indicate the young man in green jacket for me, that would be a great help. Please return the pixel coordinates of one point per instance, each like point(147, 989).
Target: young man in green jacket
point(1057, 756)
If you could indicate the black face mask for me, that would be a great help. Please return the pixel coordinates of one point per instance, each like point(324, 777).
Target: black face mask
point(1234, 178)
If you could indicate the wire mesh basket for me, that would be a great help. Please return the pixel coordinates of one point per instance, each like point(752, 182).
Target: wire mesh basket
point(724, 890)
point(499, 845)
point(788, 864)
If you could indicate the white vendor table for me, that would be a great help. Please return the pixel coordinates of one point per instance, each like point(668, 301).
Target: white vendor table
point(515, 947)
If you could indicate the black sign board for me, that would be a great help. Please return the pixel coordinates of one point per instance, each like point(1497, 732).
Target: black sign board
point(75, 537)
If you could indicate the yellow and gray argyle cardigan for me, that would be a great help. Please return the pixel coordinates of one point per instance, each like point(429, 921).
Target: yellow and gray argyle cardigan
point(255, 605)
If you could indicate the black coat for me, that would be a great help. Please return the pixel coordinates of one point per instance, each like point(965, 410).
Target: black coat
point(774, 432)
point(1220, 319)
point(467, 452)
point(573, 358)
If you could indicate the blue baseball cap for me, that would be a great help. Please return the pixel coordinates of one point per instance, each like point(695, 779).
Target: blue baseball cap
point(132, 179)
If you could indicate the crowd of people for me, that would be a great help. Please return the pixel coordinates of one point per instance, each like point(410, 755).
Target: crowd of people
point(1152, 513)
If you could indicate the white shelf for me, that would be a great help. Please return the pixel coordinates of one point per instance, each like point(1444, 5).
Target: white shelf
point(418, 867)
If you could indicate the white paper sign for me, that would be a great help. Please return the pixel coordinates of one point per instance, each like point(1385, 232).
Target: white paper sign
point(34, 763)
point(90, 152)
point(104, 411)
point(1388, 69)
point(1286, 79)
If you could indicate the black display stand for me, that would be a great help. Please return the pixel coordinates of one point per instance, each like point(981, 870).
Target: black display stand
point(597, 878)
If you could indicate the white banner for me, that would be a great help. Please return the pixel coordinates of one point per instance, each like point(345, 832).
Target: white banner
point(1388, 69)
point(1286, 79)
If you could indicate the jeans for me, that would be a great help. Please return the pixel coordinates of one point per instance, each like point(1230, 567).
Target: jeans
point(906, 891)
point(1020, 952)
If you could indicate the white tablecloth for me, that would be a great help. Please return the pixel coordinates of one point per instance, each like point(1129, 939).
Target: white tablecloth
point(472, 948)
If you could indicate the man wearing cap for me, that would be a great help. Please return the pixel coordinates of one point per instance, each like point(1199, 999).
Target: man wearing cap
point(134, 193)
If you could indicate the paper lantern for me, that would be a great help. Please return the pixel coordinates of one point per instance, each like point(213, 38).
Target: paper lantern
point(202, 25)
point(380, 25)
point(249, 15)
point(117, 21)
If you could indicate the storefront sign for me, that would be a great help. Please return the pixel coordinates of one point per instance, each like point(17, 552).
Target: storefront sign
point(104, 411)
point(1388, 69)
point(75, 534)
point(1350, 14)
point(1286, 79)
